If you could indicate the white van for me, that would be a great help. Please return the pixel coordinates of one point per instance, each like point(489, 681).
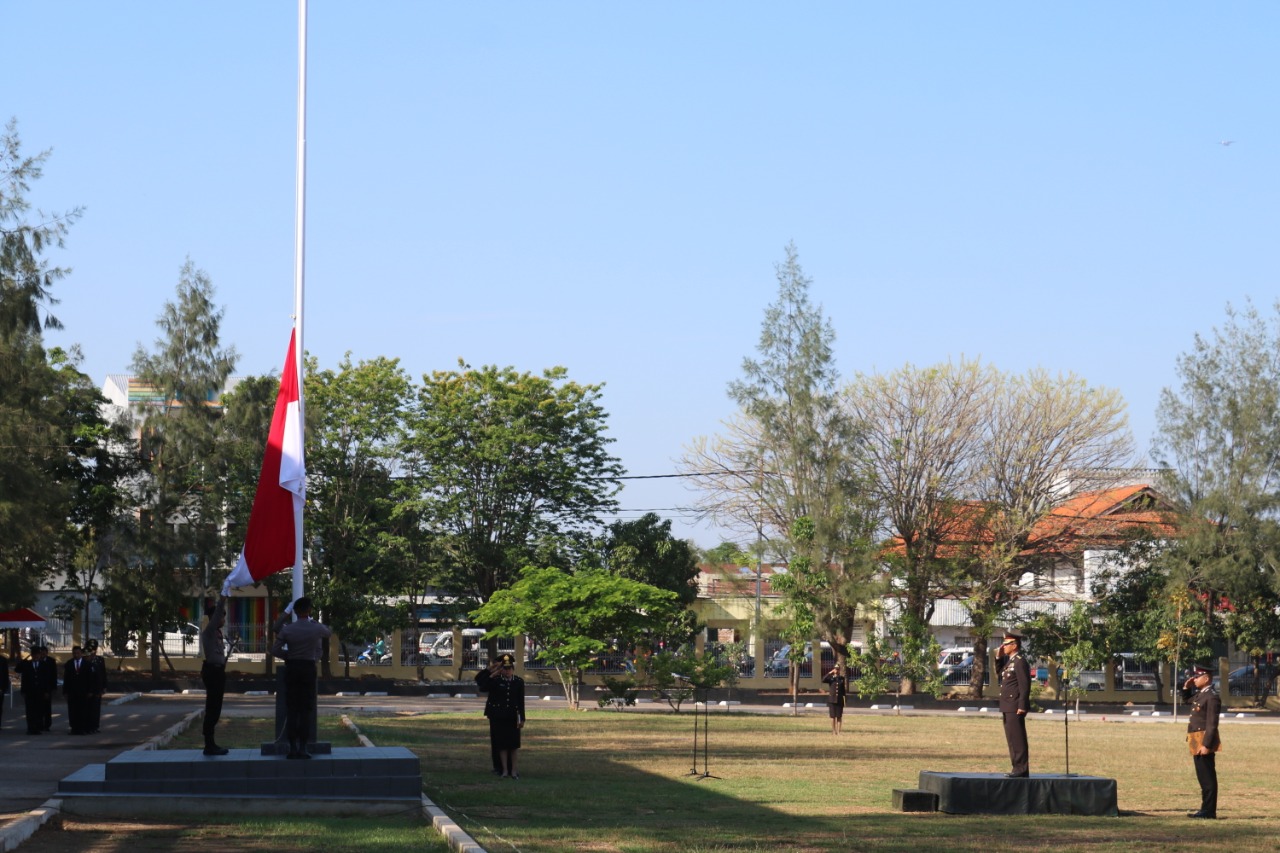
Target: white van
point(437, 648)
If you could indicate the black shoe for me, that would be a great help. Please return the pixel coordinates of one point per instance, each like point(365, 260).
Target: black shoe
point(1022, 775)
point(1200, 815)
point(214, 749)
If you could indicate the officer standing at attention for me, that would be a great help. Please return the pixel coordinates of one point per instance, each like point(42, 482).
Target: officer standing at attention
point(213, 672)
point(505, 710)
point(837, 690)
point(1015, 701)
point(299, 644)
point(1202, 737)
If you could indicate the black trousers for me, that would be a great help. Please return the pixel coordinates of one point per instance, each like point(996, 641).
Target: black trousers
point(95, 712)
point(1015, 733)
point(299, 701)
point(33, 703)
point(78, 713)
point(1207, 776)
point(215, 687)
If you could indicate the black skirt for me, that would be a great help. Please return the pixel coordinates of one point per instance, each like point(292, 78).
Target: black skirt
point(503, 734)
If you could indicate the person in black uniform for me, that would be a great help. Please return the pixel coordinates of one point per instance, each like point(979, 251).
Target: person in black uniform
point(4, 684)
point(1202, 737)
point(837, 690)
point(505, 709)
point(78, 684)
point(99, 669)
point(1015, 701)
point(39, 680)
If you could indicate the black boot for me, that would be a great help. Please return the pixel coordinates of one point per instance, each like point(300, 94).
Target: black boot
point(211, 748)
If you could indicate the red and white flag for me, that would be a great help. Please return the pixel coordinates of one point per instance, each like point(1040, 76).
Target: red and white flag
point(275, 523)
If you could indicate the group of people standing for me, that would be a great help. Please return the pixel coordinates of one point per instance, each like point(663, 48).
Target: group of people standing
point(84, 680)
point(1015, 705)
point(1202, 724)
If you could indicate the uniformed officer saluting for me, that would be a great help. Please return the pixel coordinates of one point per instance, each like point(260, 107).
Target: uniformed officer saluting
point(505, 710)
point(1015, 701)
point(1202, 737)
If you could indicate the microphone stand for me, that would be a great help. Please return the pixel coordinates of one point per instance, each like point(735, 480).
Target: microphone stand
point(693, 771)
point(706, 723)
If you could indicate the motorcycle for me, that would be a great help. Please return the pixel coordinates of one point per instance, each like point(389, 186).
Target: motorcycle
point(373, 656)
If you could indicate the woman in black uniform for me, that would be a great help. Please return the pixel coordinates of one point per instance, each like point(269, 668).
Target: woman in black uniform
point(505, 710)
point(837, 689)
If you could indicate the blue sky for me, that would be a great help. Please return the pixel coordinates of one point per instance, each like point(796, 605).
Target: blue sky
point(607, 186)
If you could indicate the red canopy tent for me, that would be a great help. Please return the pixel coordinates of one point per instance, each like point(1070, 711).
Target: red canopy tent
point(23, 617)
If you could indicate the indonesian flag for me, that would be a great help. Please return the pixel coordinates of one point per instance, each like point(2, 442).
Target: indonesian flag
point(275, 523)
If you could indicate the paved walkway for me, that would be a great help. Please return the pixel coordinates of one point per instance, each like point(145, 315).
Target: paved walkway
point(32, 765)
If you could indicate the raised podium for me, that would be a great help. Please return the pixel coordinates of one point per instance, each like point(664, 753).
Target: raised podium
point(1039, 793)
point(362, 781)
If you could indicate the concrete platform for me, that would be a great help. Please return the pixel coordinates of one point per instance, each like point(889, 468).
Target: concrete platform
point(1040, 793)
point(362, 780)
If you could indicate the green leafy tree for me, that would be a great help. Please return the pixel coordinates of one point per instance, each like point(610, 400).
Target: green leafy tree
point(677, 676)
point(1133, 605)
point(179, 532)
point(1254, 627)
point(97, 532)
point(1218, 436)
point(645, 550)
point(1069, 643)
point(40, 456)
point(791, 455)
point(506, 469)
point(573, 619)
point(356, 419)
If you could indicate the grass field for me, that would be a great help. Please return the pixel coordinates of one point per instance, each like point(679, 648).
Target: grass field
point(617, 781)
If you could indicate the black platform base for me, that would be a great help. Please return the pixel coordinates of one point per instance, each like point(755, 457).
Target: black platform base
point(350, 775)
point(914, 800)
point(281, 747)
point(1040, 793)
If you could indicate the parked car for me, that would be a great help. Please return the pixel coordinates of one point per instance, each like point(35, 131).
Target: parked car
point(1242, 681)
point(182, 639)
point(956, 666)
point(1131, 674)
point(779, 665)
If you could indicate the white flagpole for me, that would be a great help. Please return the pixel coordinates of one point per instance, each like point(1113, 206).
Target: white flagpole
point(299, 257)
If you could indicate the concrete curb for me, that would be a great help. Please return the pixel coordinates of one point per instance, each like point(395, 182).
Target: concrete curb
point(457, 837)
point(18, 831)
point(166, 737)
point(24, 827)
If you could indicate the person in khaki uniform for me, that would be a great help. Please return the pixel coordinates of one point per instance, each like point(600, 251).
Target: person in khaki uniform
point(300, 644)
point(1202, 738)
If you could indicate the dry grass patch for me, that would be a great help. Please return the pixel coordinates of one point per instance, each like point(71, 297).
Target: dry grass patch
point(605, 781)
